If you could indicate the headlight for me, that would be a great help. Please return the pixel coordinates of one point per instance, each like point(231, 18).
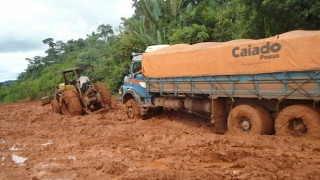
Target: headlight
point(120, 90)
point(143, 84)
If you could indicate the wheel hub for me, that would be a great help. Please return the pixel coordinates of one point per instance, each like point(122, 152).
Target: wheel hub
point(130, 112)
point(298, 127)
point(245, 125)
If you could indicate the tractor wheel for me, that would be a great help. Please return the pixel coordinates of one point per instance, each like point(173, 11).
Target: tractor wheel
point(298, 120)
point(250, 119)
point(56, 106)
point(133, 111)
point(104, 92)
point(70, 103)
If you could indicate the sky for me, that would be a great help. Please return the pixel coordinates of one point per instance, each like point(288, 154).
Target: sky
point(25, 23)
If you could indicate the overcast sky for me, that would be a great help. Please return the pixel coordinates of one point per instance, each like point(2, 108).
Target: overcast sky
point(25, 23)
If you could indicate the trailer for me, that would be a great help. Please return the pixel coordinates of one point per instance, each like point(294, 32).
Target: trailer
point(266, 86)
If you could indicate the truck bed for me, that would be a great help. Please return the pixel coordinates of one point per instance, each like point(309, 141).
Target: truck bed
point(286, 85)
point(295, 51)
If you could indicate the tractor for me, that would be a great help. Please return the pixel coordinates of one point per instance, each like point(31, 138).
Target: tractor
point(73, 98)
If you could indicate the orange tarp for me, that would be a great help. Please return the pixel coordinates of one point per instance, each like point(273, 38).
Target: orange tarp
point(292, 51)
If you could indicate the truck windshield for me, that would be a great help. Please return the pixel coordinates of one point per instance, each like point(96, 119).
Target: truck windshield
point(136, 67)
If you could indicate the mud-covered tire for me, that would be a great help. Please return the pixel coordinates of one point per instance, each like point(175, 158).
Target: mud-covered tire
point(104, 92)
point(56, 106)
point(298, 120)
point(133, 110)
point(70, 103)
point(268, 120)
point(249, 119)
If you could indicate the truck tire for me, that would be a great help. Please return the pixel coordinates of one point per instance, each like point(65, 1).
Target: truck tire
point(55, 106)
point(250, 119)
point(298, 120)
point(133, 110)
point(70, 103)
point(104, 92)
point(268, 120)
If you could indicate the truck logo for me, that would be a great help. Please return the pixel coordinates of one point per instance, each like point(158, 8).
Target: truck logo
point(262, 51)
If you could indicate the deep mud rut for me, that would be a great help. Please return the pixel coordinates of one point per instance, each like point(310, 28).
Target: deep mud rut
point(36, 143)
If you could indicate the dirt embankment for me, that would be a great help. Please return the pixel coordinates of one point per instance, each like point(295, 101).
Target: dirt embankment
point(36, 143)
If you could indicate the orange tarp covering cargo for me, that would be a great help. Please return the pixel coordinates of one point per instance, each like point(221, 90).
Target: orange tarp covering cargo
point(292, 51)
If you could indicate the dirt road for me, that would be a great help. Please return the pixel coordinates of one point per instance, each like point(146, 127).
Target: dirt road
point(38, 144)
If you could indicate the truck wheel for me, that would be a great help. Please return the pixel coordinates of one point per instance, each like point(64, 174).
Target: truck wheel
point(104, 92)
point(298, 120)
point(133, 111)
point(268, 120)
point(56, 106)
point(70, 103)
point(250, 119)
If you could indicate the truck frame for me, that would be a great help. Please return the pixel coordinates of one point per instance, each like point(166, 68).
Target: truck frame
point(280, 103)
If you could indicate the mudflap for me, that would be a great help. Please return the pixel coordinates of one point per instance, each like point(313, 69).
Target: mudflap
point(219, 115)
point(220, 124)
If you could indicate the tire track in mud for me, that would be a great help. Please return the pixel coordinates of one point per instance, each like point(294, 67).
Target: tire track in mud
point(171, 145)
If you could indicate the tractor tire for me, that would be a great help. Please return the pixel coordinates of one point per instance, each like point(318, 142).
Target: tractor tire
point(104, 92)
point(133, 110)
point(70, 103)
point(56, 106)
point(298, 121)
point(250, 120)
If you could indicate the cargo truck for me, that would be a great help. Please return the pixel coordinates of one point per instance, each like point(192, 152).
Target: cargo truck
point(265, 86)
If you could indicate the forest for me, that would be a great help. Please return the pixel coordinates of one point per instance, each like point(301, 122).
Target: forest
point(159, 22)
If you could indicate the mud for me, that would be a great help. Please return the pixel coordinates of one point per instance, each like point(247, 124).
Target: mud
point(36, 143)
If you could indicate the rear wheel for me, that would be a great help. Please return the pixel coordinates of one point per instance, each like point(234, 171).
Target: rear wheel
point(70, 103)
point(250, 119)
point(104, 92)
point(56, 106)
point(298, 120)
point(133, 111)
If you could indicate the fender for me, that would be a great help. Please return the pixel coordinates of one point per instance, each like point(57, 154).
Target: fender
point(131, 93)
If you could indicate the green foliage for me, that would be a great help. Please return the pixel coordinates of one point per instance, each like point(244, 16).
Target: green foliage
point(190, 35)
point(4, 92)
point(17, 91)
point(159, 22)
point(260, 19)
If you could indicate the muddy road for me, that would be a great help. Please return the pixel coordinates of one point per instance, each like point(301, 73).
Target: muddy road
point(36, 143)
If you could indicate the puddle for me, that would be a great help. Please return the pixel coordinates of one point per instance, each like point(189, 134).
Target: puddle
point(18, 159)
point(2, 159)
point(235, 169)
point(216, 164)
point(299, 173)
point(163, 165)
point(13, 148)
point(47, 144)
point(153, 165)
point(72, 158)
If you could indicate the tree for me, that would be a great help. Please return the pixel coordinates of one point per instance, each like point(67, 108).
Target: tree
point(155, 21)
point(160, 22)
point(190, 35)
point(105, 31)
point(259, 19)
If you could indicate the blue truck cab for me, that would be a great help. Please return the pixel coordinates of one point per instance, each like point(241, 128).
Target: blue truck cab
point(133, 91)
